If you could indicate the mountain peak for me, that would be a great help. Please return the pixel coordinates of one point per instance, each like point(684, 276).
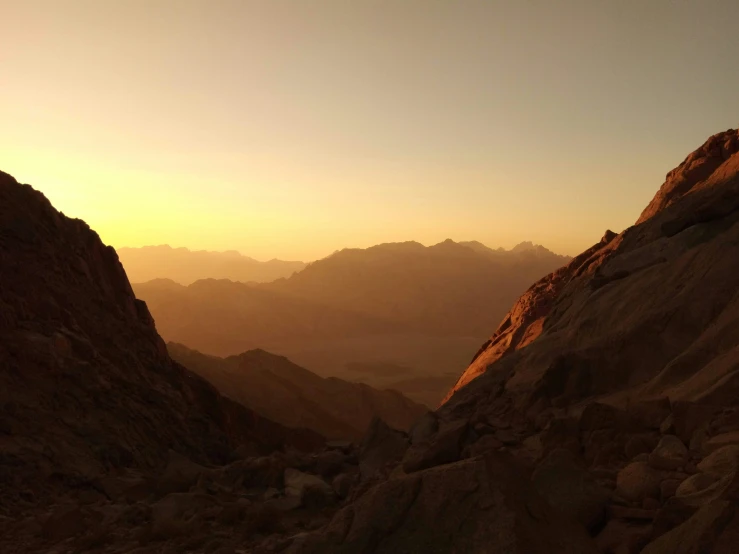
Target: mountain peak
point(699, 170)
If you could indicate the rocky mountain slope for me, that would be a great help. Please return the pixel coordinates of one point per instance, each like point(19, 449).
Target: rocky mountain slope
point(611, 385)
point(106, 443)
point(186, 266)
point(286, 393)
point(645, 313)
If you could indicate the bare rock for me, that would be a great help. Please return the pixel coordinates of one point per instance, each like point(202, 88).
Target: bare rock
point(483, 445)
point(721, 462)
point(698, 534)
point(468, 506)
point(571, 490)
point(639, 444)
point(445, 448)
point(651, 413)
point(298, 484)
point(668, 425)
point(688, 417)
point(381, 446)
point(179, 475)
point(632, 513)
point(329, 463)
point(342, 484)
point(719, 441)
point(623, 537)
point(694, 484)
point(176, 513)
point(668, 488)
point(638, 481)
point(669, 454)
point(424, 428)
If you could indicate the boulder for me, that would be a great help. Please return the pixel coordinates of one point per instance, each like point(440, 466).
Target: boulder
point(630, 513)
point(668, 425)
point(721, 462)
point(688, 417)
point(342, 484)
point(698, 534)
point(445, 448)
point(597, 416)
point(476, 505)
point(638, 481)
point(424, 428)
point(623, 537)
point(651, 413)
point(699, 438)
point(344, 445)
point(719, 441)
point(571, 490)
point(668, 488)
point(176, 513)
point(179, 475)
point(669, 454)
point(381, 446)
point(486, 443)
point(694, 484)
point(639, 444)
point(65, 522)
point(329, 463)
point(297, 484)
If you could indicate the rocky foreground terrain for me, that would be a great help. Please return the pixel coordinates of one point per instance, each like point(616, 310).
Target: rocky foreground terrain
point(601, 417)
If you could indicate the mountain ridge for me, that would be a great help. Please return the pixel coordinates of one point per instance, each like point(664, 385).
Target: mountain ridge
point(185, 266)
point(269, 384)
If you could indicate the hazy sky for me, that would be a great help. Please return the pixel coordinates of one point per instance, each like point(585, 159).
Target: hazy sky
point(293, 128)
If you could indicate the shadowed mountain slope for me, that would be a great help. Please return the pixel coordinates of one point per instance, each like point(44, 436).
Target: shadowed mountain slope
point(86, 386)
point(284, 392)
point(223, 317)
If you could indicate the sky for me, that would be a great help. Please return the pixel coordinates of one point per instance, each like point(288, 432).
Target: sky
point(290, 129)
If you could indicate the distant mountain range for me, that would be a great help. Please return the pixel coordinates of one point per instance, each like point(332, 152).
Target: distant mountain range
point(284, 392)
point(447, 288)
point(421, 309)
point(187, 266)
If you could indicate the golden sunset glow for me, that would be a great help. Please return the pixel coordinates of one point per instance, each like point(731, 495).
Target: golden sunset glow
point(292, 129)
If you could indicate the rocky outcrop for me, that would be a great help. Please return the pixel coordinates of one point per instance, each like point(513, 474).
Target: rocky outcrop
point(478, 505)
point(694, 172)
point(648, 312)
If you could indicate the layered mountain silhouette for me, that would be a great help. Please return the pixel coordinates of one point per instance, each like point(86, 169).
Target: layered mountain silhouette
point(288, 394)
point(186, 266)
point(446, 289)
point(600, 417)
point(419, 309)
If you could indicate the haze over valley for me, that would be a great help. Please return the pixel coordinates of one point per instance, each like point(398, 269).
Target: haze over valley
point(397, 315)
